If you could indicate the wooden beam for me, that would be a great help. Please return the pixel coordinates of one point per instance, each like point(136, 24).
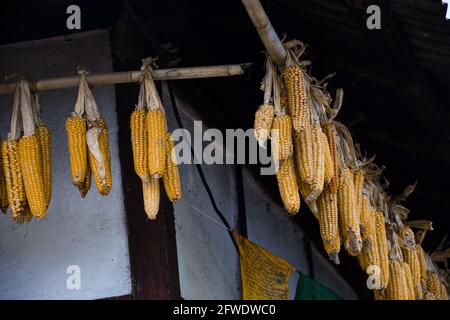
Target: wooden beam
point(132, 76)
point(266, 31)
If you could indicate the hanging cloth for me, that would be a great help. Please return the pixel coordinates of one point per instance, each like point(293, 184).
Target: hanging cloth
point(264, 276)
point(310, 289)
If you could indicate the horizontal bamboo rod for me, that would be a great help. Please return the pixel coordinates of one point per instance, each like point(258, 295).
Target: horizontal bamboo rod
point(266, 31)
point(131, 76)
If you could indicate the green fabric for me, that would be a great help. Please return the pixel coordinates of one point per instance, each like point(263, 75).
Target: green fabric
point(310, 289)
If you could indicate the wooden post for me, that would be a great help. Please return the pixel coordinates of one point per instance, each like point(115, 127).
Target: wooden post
point(266, 31)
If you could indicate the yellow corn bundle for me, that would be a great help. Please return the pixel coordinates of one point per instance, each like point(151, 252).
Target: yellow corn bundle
point(263, 122)
point(156, 139)
point(433, 284)
point(103, 185)
point(282, 137)
point(139, 142)
point(444, 293)
point(294, 80)
point(410, 257)
point(318, 162)
point(45, 143)
point(333, 249)
point(358, 182)
point(330, 132)
point(347, 213)
point(303, 141)
point(31, 166)
point(150, 191)
point(397, 288)
point(287, 184)
point(328, 216)
point(76, 140)
point(409, 280)
point(15, 188)
point(422, 263)
point(86, 185)
point(382, 244)
point(171, 177)
point(329, 166)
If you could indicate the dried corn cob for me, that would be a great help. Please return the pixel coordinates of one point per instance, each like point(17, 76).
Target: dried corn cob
point(382, 244)
point(150, 191)
point(31, 165)
point(329, 165)
point(397, 288)
point(370, 253)
point(433, 284)
point(303, 141)
point(76, 140)
point(101, 172)
point(156, 139)
point(358, 181)
point(86, 185)
point(328, 216)
point(3, 191)
point(330, 132)
point(347, 213)
point(333, 249)
point(282, 147)
point(422, 263)
point(297, 96)
point(171, 177)
point(367, 221)
point(318, 162)
point(305, 191)
point(410, 257)
point(287, 184)
point(139, 142)
point(409, 280)
point(45, 144)
point(263, 122)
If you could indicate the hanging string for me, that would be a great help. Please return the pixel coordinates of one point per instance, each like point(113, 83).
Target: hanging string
point(206, 215)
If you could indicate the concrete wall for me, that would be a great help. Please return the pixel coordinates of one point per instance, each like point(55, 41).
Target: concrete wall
point(89, 232)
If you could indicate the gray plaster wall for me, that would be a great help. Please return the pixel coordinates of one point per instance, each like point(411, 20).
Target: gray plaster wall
point(89, 233)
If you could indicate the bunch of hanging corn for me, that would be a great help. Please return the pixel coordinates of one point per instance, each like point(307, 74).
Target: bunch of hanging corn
point(152, 145)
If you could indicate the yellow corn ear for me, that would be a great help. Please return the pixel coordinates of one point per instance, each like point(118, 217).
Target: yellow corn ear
point(330, 132)
point(409, 280)
point(263, 122)
point(139, 142)
point(103, 185)
point(333, 249)
point(304, 158)
point(383, 249)
point(347, 213)
point(287, 185)
point(171, 177)
point(76, 140)
point(367, 223)
point(297, 96)
point(433, 284)
point(318, 162)
point(15, 188)
point(151, 195)
point(328, 216)
point(329, 166)
point(370, 248)
point(358, 182)
point(397, 288)
point(281, 136)
point(422, 263)
point(31, 165)
point(410, 257)
point(3, 191)
point(156, 139)
point(45, 142)
point(86, 185)
point(305, 191)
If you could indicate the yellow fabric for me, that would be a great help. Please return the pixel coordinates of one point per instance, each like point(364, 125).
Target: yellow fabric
point(264, 276)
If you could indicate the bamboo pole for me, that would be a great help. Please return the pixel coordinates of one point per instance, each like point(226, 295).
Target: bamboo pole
point(266, 31)
point(132, 76)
